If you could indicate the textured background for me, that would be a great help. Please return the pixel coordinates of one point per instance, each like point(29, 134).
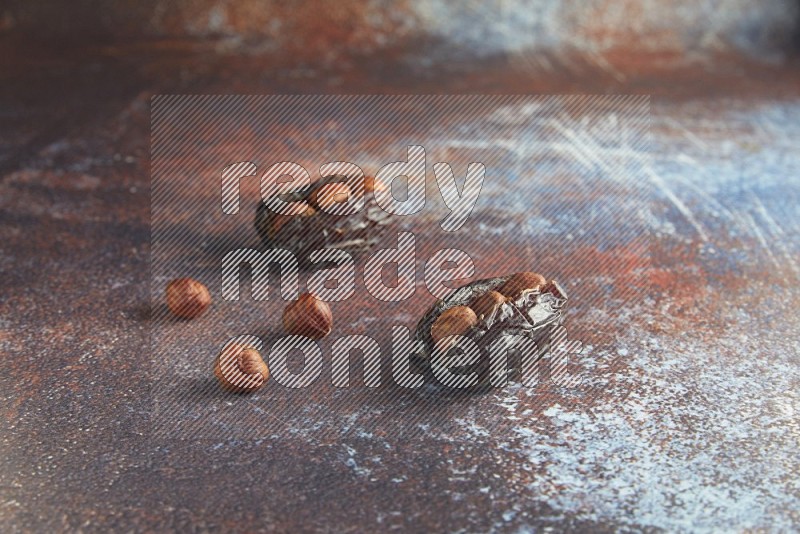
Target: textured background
point(545, 204)
point(698, 424)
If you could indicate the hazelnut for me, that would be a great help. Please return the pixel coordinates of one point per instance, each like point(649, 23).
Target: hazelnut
point(487, 304)
point(308, 316)
point(329, 195)
point(371, 185)
point(454, 321)
point(520, 282)
point(240, 368)
point(187, 298)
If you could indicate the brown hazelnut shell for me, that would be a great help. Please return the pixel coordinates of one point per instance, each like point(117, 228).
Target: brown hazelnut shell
point(187, 298)
point(240, 368)
point(520, 282)
point(370, 185)
point(329, 195)
point(487, 304)
point(454, 321)
point(308, 316)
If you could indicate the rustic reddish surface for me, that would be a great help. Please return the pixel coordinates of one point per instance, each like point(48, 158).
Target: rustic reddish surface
point(78, 449)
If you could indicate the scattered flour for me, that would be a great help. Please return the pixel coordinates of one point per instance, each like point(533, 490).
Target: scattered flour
point(699, 443)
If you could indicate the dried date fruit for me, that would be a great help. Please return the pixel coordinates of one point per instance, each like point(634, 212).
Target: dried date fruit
point(522, 282)
point(328, 195)
point(316, 228)
point(533, 310)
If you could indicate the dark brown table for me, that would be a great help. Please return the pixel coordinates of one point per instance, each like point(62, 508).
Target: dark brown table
point(691, 424)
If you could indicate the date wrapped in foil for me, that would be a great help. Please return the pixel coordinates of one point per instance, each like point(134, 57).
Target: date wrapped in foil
point(316, 228)
point(520, 325)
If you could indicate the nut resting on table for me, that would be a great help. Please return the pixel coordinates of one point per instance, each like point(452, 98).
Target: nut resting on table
point(240, 368)
point(496, 314)
point(187, 298)
point(309, 317)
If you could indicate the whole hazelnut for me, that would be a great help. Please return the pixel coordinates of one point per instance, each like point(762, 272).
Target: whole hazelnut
point(520, 282)
point(308, 316)
point(187, 298)
point(240, 368)
point(329, 195)
point(487, 304)
point(455, 321)
point(371, 185)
